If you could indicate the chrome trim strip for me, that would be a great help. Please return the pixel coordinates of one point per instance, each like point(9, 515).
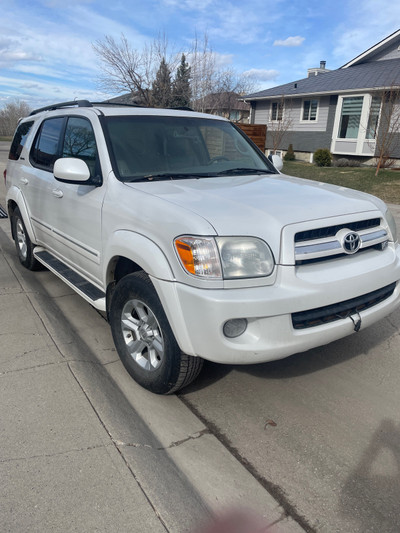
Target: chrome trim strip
point(321, 248)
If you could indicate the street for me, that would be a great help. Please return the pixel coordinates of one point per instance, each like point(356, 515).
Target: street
point(318, 432)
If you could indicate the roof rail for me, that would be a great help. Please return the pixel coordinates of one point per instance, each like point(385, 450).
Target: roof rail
point(79, 103)
point(116, 104)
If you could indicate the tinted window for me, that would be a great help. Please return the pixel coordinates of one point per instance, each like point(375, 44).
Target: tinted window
point(79, 141)
point(45, 150)
point(144, 146)
point(19, 140)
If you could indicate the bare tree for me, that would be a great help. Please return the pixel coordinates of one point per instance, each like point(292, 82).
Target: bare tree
point(202, 62)
point(280, 122)
point(387, 135)
point(127, 69)
point(10, 115)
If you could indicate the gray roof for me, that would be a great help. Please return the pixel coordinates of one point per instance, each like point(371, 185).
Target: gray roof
point(371, 75)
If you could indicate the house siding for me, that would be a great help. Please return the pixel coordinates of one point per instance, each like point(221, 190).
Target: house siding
point(390, 53)
point(309, 139)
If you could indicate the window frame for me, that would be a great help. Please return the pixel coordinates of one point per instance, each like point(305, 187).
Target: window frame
point(361, 145)
point(280, 107)
point(95, 179)
point(309, 120)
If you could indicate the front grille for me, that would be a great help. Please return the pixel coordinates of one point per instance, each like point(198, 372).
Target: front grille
point(330, 313)
point(324, 243)
point(330, 231)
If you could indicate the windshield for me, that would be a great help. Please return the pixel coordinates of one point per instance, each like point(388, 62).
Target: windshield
point(168, 147)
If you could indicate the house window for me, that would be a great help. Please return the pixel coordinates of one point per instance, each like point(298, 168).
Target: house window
point(356, 123)
point(276, 111)
point(350, 117)
point(373, 117)
point(310, 108)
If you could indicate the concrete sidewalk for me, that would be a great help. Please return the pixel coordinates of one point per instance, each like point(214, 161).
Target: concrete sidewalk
point(82, 447)
point(59, 468)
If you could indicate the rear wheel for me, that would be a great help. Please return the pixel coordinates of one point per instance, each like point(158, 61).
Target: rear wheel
point(23, 243)
point(144, 339)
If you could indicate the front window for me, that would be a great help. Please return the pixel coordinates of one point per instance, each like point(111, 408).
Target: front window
point(80, 142)
point(373, 117)
point(310, 108)
point(276, 111)
point(146, 147)
point(351, 116)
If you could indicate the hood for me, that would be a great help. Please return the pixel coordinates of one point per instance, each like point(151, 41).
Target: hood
point(259, 206)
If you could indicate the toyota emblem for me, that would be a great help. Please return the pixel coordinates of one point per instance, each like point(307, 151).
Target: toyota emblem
point(351, 243)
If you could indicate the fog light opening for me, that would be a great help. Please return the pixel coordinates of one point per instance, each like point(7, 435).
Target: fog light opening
point(235, 327)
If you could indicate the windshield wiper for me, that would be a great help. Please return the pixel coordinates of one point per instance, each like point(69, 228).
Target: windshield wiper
point(242, 170)
point(168, 176)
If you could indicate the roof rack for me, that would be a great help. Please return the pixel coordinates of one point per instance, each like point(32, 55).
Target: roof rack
point(116, 104)
point(86, 103)
point(79, 103)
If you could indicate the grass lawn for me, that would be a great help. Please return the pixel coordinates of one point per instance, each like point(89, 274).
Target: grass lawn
point(386, 185)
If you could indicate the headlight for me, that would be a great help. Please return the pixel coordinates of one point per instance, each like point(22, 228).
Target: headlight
point(225, 257)
point(392, 224)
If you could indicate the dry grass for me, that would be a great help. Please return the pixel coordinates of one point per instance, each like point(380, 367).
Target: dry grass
point(386, 185)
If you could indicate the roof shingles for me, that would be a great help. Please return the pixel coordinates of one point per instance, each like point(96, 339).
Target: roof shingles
point(372, 75)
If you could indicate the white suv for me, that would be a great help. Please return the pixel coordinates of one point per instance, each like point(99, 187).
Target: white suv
point(195, 245)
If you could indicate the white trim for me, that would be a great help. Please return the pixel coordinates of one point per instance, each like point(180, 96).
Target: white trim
point(373, 49)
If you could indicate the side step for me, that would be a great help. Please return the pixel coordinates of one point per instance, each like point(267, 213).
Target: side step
point(82, 286)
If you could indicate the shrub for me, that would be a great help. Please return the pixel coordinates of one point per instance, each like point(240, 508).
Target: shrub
point(341, 162)
point(289, 156)
point(322, 157)
point(344, 162)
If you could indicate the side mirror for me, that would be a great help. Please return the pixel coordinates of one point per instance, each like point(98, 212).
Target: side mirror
point(71, 170)
point(277, 162)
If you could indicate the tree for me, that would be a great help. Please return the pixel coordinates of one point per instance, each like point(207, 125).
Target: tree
point(161, 89)
point(127, 69)
point(181, 90)
point(387, 135)
point(10, 115)
point(281, 121)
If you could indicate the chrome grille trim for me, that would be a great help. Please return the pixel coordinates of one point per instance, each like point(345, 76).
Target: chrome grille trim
point(331, 246)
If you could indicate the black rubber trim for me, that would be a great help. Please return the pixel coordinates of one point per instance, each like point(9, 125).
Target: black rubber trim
point(90, 290)
point(330, 313)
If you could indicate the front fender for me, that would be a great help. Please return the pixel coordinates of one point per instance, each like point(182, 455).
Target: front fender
point(139, 249)
point(14, 195)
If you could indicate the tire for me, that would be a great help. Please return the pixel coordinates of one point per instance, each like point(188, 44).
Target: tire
point(23, 243)
point(144, 340)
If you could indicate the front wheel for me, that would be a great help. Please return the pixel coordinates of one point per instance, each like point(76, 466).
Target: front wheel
point(144, 339)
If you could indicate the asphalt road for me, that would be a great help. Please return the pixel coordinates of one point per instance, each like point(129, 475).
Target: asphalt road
point(320, 430)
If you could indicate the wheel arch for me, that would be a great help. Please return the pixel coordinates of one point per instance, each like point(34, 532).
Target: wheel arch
point(131, 252)
point(16, 200)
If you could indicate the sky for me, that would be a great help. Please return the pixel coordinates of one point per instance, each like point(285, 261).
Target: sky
point(47, 56)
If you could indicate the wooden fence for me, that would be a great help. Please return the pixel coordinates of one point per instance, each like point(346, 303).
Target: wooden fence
point(256, 132)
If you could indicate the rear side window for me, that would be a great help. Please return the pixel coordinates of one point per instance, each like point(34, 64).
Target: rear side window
point(46, 147)
point(19, 140)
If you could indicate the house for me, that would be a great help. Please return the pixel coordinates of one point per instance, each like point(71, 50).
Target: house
point(353, 110)
point(226, 104)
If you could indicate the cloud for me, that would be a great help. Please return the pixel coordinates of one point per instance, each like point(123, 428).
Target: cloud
point(354, 35)
point(290, 41)
point(260, 74)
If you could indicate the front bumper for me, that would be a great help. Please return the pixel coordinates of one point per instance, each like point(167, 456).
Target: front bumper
point(197, 315)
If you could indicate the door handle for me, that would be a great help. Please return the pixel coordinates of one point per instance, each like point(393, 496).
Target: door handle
point(57, 193)
point(23, 181)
